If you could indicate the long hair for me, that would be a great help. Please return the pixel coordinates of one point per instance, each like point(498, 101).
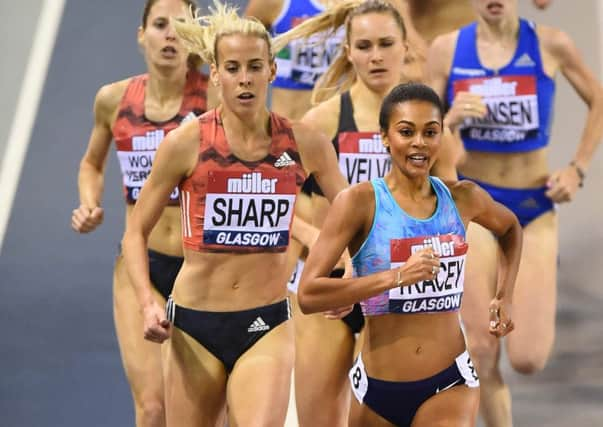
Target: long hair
point(340, 75)
point(201, 33)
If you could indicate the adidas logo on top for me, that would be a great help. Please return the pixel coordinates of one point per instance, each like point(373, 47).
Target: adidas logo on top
point(524, 61)
point(258, 325)
point(284, 160)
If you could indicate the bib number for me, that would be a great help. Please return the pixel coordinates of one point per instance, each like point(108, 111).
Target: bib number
point(358, 379)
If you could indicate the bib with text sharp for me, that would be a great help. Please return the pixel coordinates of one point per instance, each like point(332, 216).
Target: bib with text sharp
point(445, 291)
point(249, 209)
point(512, 108)
point(362, 156)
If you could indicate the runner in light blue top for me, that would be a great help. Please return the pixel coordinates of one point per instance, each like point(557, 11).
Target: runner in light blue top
point(406, 233)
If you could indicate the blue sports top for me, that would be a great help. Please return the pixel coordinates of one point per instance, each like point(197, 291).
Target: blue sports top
point(519, 96)
point(301, 63)
point(395, 235)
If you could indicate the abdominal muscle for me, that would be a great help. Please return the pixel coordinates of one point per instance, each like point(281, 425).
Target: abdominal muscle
point(230, 282)
point(166, 236)
point(411, 347)
point(510, 170)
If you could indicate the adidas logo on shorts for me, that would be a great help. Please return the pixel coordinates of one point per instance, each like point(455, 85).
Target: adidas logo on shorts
point(284, 160)
point(529, 203)
point(258, 325)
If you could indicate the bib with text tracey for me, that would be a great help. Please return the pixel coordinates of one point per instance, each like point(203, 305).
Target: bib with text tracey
point(249, 209)
point(362, 156)
point(512, 105)
point(444, 293)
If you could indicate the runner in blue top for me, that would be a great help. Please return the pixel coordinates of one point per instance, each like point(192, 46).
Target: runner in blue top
point(497, 77)
point(406, 233)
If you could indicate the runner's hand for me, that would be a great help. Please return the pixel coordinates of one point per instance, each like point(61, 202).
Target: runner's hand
point(563, 184)
point(85, 220)
point(156, 326)
point(500, 318)
point(465, 105)
point(422, 265)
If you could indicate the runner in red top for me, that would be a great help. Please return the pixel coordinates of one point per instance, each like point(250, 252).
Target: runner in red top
point(137, 113)
point(231, 205)
point(137, 137)
point(238, 168)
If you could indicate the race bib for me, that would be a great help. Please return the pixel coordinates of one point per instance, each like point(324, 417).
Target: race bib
point(293, 283)
point(358, 379)
point(362, 156)
point(445, 291)
point(305, 60)
point(252, 209)
point(136, 164)
point(467, 370)
point(512, 105)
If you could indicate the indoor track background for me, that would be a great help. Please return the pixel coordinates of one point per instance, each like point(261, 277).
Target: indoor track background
point(60, 362)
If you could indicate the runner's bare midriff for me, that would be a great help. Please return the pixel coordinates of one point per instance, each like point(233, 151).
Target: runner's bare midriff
point(166, 236)
point(230, 282)
point(511, 170)
point(423, 345)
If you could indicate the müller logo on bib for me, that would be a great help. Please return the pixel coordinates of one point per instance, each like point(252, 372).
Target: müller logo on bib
point(512, 108)
point(445, 291)
point(362, 156)
point(136, 163)
point(249, 209)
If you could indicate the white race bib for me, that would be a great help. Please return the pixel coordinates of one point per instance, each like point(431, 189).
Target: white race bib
point(358, 379)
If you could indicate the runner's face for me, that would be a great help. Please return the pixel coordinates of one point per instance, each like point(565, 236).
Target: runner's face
point(414, 136)
point(161, 46)
point(376, 50)
point(243, 71)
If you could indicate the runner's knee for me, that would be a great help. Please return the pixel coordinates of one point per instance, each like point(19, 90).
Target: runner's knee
point(149, 410)
point(528, 363)
point(484, 353)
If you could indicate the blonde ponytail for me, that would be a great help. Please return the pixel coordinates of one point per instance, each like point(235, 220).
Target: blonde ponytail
point(338, 78)
point(328, 22)
point(200, 33)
